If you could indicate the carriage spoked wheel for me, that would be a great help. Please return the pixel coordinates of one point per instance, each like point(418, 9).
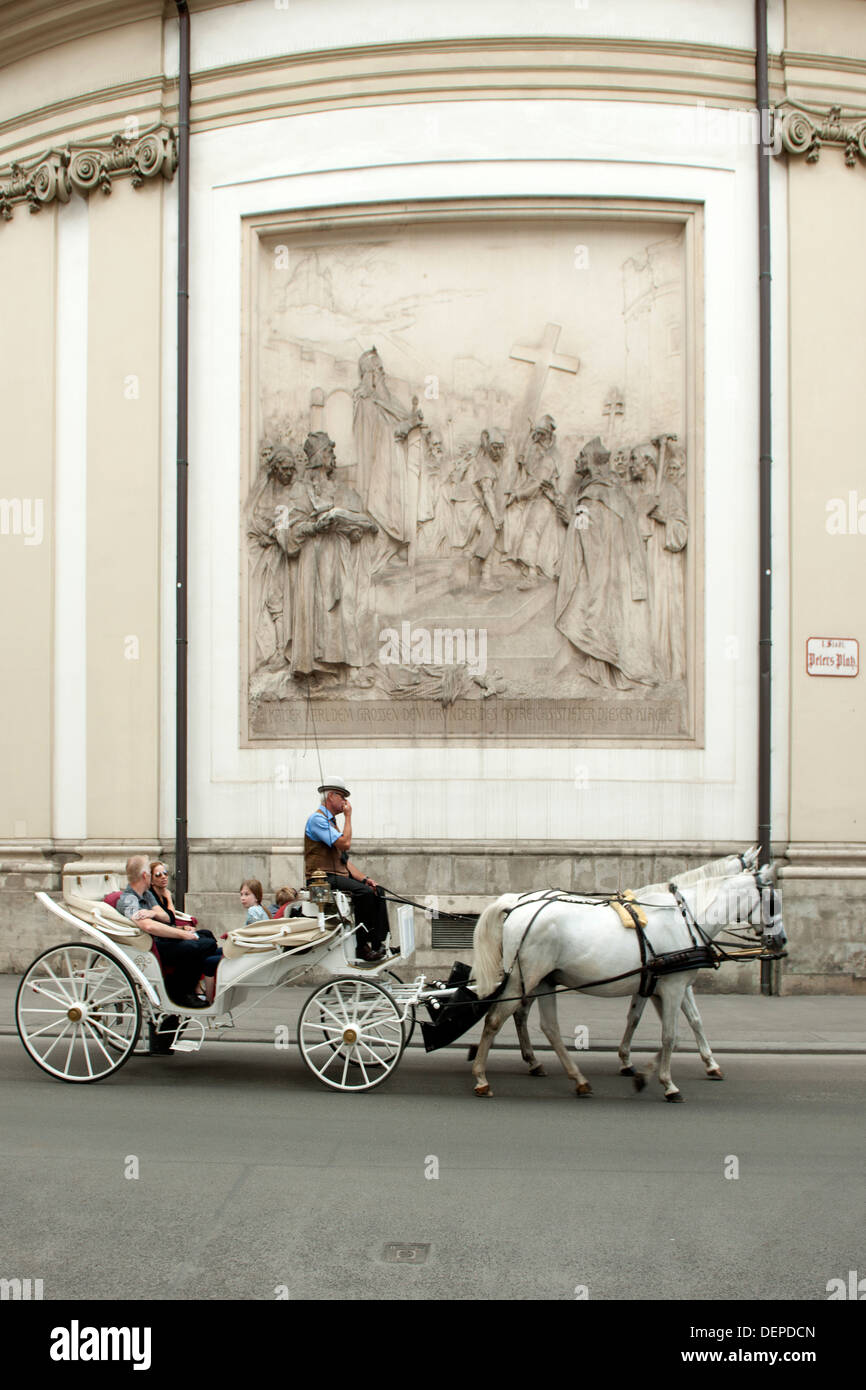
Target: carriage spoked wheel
point(408, 1022)
point(350, 1034)
point(78, 1013)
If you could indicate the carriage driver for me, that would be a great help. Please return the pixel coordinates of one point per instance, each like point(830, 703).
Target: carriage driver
point(327, 850)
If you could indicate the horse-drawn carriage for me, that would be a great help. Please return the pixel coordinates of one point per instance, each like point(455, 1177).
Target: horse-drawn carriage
point(80, 1006)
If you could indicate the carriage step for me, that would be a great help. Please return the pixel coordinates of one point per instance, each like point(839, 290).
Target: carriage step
point(186, 1045)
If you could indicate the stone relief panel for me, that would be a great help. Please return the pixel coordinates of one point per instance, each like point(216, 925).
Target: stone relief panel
point(468, 496)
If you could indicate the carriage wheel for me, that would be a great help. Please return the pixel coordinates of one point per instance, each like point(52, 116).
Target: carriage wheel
point(350, 1034)
point(408, 1027)
point(78, 1013)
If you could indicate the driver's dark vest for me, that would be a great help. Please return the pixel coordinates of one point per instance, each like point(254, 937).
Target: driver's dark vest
point(321, 858)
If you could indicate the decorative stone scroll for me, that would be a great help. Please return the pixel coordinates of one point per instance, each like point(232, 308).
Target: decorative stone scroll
point(804, 132)
point(53, 176)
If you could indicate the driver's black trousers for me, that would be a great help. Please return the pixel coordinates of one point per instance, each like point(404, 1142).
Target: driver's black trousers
point(370, 907)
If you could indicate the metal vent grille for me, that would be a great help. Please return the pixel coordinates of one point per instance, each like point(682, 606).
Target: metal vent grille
point(448, 936)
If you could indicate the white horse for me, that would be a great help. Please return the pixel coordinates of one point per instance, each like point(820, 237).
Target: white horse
point(540, 944)
point(637, 1004)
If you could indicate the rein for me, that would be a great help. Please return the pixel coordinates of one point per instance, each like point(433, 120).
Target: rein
point(700, 954)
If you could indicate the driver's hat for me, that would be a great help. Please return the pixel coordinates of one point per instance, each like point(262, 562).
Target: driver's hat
point(335, 785)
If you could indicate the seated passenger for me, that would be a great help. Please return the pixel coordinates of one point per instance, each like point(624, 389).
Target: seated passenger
point(251, 899)
point(181, 947)
point(287, 904)
point(160, 890)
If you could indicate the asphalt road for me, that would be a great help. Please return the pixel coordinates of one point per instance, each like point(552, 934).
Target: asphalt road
point(253, 1179)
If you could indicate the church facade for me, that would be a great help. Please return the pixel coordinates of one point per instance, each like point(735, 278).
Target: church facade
point(474, 449)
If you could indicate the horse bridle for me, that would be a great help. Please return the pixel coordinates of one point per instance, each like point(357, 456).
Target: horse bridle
point(693, 925)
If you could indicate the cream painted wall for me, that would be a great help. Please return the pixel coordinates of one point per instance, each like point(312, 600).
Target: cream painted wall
point(113, 58)
point(123, 514)
point(27, 294)
point(496, 148)
point(827, 288)
point(833, 27)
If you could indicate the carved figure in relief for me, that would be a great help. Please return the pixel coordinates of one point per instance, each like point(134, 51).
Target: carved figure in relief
point(329, 617)
point(640, 486)
point(445, 684)
point(383, 476)
point(484, 520)
point(272, 503)
point(533, 531)
point(667, 559)
point(434, 510)
point(620, 464)
point(460, 501)
point(602, 599)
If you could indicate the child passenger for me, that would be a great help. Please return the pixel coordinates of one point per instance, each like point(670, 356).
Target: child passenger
point(287, 903)
point(251, 899)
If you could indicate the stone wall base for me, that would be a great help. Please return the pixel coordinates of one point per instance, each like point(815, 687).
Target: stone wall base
point(824, 894)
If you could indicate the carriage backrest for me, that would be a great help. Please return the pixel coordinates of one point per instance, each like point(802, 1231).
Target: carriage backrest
point(84, 887)
point(92, 886)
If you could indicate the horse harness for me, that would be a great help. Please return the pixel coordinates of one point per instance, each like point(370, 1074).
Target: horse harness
point(700, 955)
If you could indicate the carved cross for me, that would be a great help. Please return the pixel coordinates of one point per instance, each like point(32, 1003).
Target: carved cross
point(544, 359)
point(613, 407)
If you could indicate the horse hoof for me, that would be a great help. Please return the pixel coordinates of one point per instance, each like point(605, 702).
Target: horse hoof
point(483, 1090)
point(584, 1089)
point(537, 1071)
point(715, 1074)
point(627, 1071)
point(674, 1096)
point(472, 1052)
point(639, 1081)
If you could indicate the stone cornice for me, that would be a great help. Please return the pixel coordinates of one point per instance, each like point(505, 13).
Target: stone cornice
point(52, 177)
point(804, 131)
point(455, 69)
point(581, 68)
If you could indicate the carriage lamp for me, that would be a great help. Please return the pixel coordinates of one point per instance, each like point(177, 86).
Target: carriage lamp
point(319, 888)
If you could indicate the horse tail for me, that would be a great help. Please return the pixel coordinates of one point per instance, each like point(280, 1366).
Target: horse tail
point(487, 944)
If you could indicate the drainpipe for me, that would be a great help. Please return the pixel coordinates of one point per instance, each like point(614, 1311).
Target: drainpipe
point(765, 647)
point(181, 842)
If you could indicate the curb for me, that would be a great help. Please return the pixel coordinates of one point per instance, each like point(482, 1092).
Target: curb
point(725, 1049)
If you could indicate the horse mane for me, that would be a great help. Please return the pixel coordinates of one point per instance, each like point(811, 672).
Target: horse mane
point(716, 868)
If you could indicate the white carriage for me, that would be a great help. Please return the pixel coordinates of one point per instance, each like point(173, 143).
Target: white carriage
point(80, 1006)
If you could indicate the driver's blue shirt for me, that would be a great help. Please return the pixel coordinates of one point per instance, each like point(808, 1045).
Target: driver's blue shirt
point(321, 825)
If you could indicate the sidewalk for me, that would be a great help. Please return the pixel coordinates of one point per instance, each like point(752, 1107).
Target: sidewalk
point(808, 1024)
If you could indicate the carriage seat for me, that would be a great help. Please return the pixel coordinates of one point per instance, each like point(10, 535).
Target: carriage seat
point(277, 933)
point(85, 886)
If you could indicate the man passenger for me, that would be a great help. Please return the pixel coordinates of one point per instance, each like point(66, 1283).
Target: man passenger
point(180, 947)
